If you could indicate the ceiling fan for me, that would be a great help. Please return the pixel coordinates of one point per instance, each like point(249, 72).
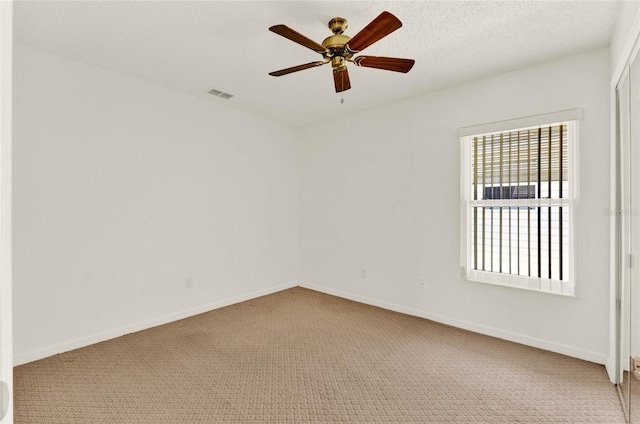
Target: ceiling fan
point(338, 49)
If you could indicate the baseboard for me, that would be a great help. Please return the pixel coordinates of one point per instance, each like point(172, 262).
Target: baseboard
point(610, 366)
point(563, 349)
point(35, 355)
point(572, 351)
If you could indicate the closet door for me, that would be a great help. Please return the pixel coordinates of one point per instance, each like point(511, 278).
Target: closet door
point(631, 212)
point(622, 237)
point(628, 235)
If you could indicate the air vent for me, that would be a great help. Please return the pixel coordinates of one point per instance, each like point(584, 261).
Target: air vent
point(220, 94)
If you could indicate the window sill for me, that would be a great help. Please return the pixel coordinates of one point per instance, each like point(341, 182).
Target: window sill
point(541, 285)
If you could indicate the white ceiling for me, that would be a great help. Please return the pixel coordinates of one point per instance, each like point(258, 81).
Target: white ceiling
point(195, 46)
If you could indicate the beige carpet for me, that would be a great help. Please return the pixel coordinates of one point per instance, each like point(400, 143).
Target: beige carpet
point(299, 356)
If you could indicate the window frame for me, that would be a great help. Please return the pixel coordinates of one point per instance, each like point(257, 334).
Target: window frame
point(568, 288)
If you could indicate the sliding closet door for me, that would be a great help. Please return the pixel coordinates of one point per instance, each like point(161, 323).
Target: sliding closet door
point(628, 235)
point(631, 212)
point(622, 228)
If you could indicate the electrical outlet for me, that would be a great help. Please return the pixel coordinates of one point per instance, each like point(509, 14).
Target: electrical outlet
point(363, 273)
point(423, 282)
point(188, 283)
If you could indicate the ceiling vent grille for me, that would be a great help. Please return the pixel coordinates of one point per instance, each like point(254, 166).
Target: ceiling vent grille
point(220, 94)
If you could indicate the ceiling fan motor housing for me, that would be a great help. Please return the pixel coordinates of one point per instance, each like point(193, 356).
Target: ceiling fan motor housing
point(336, 51)
point(334, 44)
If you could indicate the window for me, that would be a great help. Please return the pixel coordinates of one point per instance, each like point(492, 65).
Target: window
point(518, 193)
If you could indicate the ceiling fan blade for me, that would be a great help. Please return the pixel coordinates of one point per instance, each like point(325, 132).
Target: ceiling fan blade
point(379, 28)
point(341, 79)
point(296, 37)
point(296, 68)
point(386, 63)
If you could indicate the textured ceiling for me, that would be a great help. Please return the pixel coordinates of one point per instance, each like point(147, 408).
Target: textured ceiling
point(195, 46)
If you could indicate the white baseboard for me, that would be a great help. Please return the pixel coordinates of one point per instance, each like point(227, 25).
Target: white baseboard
point(563, 349)
point(610, 366)
point(572, 351)
point(45, 352)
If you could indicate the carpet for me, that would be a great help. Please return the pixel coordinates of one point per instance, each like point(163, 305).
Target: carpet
point(299, 356)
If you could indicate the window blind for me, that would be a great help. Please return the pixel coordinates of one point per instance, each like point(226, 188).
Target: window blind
point(525, 156)
point(520, 203)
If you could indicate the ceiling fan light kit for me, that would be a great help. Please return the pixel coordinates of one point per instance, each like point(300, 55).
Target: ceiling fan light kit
point(338, 49)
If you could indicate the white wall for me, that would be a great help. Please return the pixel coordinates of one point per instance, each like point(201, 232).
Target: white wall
point(123, 189)
point(382, 194)
point(6, 88)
